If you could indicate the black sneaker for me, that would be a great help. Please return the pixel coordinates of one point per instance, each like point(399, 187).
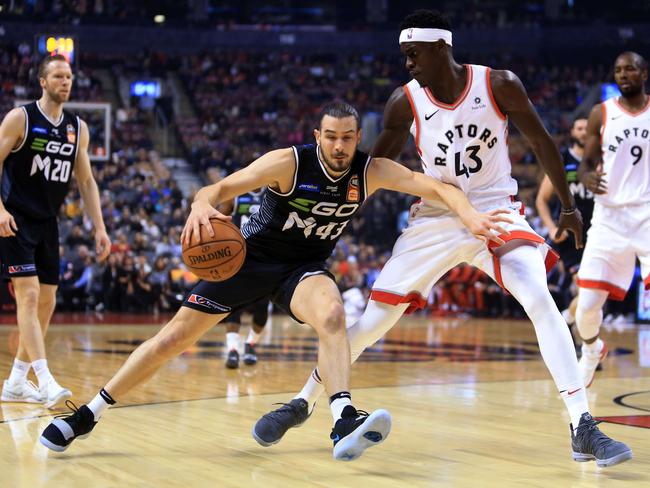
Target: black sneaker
point(232, 362)
point(357, 430)
point(589, 444)
point(270, 428)
point(60, 433)
point(250, 356)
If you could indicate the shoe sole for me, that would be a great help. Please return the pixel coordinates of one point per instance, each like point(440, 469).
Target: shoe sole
point(264, 443)
point(603, 463)
point(64, 395)
point(603, 355)
point(232, 366)
point(57, 448)
point(250, 361)
point(372, 432)
point(13, 399)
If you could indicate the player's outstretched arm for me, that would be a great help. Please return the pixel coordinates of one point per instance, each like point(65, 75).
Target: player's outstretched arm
point(12, 131)
point(512, 100)
point(591, 171)
point(275, 169)
point(90, 194)
point(387, 174)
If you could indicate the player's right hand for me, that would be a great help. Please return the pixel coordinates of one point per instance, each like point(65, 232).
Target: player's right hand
point(595, 181)
point(200, 215)
point(8, 227)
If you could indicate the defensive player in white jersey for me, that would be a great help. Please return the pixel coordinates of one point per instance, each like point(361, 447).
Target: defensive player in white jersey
point(616, 168)
point(458, 116)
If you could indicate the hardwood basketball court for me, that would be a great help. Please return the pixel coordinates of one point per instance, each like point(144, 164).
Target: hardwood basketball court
point(472, 403)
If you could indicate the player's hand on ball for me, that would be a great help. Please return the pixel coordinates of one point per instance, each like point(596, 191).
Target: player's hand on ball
point(8, 227)
point(200, 215)
point(485, 226)
point(102, 245)
point(571, 222)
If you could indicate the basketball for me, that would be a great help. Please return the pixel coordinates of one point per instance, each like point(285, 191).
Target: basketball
point(216, 258)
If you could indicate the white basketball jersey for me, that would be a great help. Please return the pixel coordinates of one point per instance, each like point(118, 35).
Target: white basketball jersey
point(464, 143)
point(626, 155)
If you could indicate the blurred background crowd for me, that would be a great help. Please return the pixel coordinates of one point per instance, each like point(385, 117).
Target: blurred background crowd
point(221, 109)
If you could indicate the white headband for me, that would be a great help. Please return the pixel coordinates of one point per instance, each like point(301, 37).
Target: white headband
point(416, 34)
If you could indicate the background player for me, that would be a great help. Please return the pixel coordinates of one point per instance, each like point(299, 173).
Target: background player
point(616, 168)
point(41, 146)
point(458, 116)
point(312, 193)
point(241, 208)
point(549, 209)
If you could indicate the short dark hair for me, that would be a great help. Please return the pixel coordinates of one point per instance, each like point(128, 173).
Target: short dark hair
point(42, 67)
point(426, 19)
point(639, 60)
point(339, 110)
point(578, 117)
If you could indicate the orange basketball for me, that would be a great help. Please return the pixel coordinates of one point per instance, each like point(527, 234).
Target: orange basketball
point(216, 258)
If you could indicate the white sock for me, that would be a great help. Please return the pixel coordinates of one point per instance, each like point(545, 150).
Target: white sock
point(338, 405)
point(19, 372)
point(42, 372)
point(312, 389)
point(253, 337)
point(98, 405)
point(575, 404)
point(232, 341)
point(593, 348)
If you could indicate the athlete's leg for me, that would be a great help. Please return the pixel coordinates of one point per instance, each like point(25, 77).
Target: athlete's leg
point(183, 330)
point(233, 340)
point(46, 305)
point(32, 346)
point(377, 319)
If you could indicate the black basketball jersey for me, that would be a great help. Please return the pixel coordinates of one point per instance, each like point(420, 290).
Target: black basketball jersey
point(245, 206)
point(304, 224)
point(36, 175)
point(584, 198)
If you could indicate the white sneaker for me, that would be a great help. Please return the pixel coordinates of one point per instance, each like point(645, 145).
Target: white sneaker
point(589, 361)
point(53, 394)
point(25, 392)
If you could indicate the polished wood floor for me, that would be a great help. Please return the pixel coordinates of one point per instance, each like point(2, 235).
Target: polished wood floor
point(472, 406)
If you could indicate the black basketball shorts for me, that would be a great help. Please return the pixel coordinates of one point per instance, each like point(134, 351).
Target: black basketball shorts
point(33, 251)
point(256, 280)
point(258, 310)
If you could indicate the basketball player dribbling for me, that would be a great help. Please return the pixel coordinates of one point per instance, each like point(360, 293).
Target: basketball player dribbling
point(312, 193)
point(41, 146)
point(458, 115)
point(616, 168)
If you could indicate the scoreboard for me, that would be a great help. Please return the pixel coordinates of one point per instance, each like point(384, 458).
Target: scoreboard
point(50, 44)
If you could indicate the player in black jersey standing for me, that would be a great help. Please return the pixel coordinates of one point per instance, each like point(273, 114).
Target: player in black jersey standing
point(241, 208)
point(41, 147)
point(312, 193)
point(564, 242)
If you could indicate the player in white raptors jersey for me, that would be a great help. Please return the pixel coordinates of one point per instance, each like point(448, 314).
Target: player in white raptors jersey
point(616, 168)
point(458, 116)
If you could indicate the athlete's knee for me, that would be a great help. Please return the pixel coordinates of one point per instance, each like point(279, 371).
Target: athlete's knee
point(27, 295)
point(333, 318)
point(171, 341)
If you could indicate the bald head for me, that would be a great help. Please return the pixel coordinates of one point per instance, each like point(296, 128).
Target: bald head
point(631, 73)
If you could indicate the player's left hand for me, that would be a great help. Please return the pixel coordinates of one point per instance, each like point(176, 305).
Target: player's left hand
point(485, 226)
point(573, 223)
point(102, 245)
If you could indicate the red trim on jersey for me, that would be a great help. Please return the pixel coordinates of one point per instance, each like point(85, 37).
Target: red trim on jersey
point(415, 300)
point(522, 209)
point(633, 114)
point(415, 116)
point(646, 282)
point(461, 97)
point(551, 260)
point(604, 122)
point(490, 94)
point(615, 293)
